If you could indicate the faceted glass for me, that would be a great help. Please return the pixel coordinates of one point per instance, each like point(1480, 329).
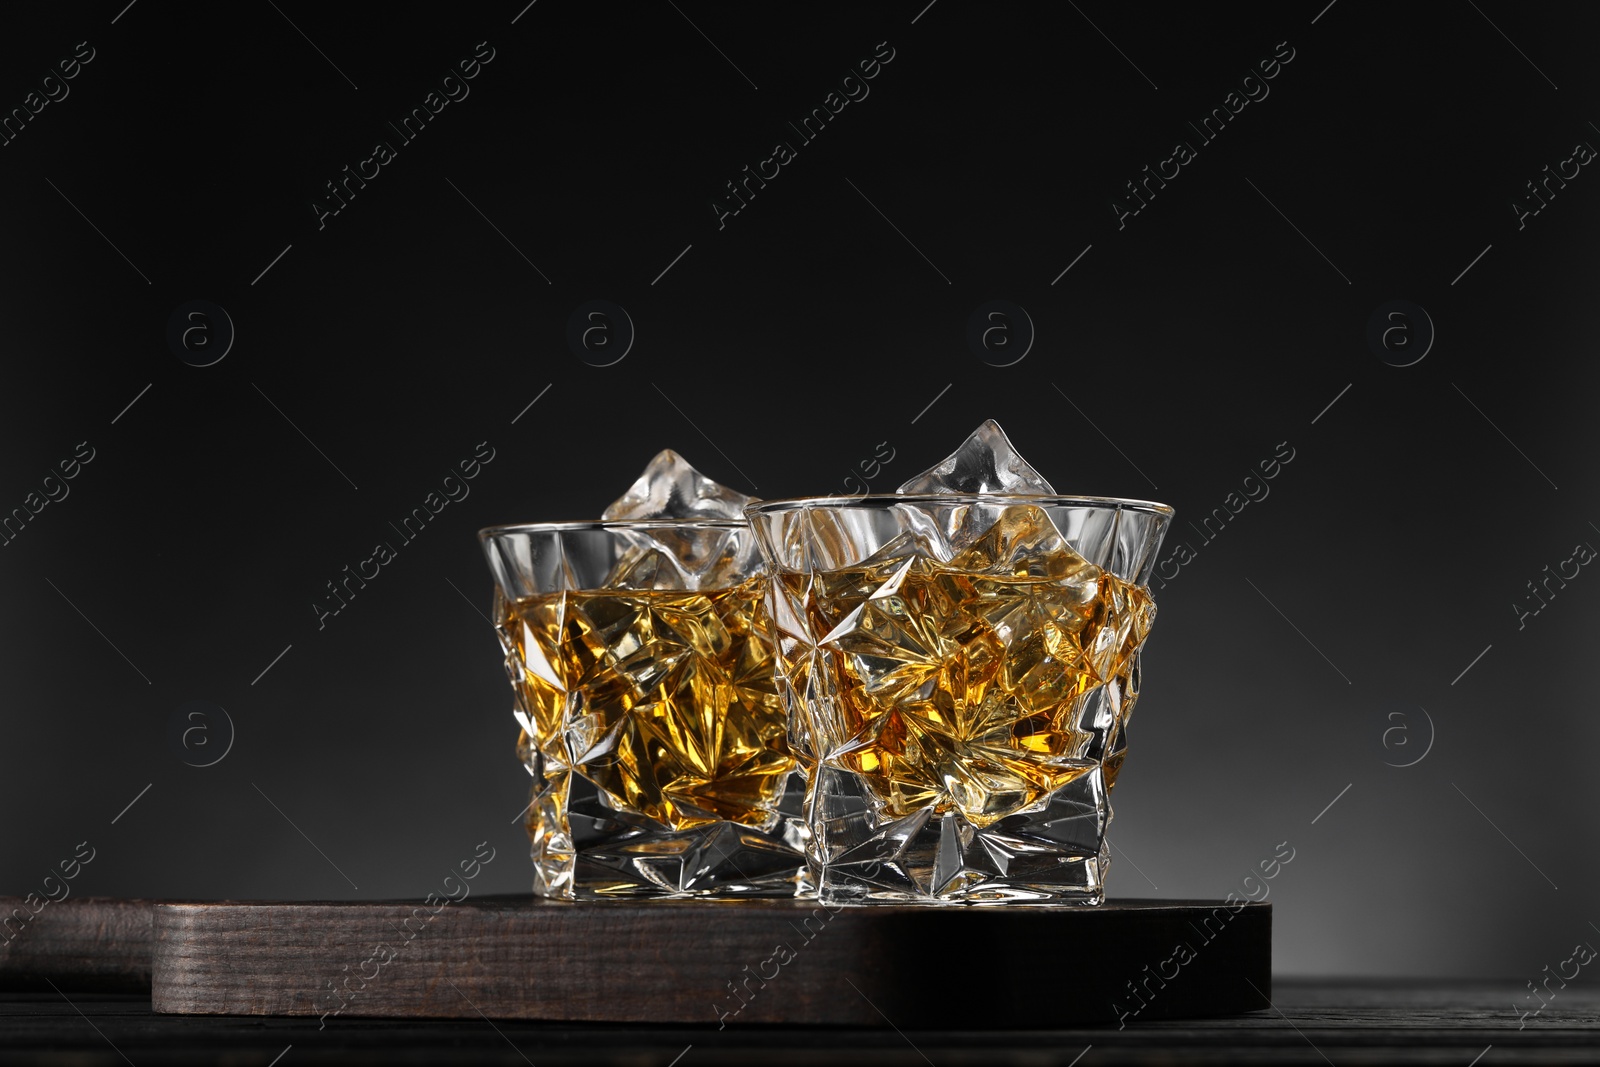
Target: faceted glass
point(642, 667)
point(959, 670)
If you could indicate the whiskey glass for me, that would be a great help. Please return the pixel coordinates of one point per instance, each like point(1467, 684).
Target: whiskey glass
point(959, 671)
point(650, 722)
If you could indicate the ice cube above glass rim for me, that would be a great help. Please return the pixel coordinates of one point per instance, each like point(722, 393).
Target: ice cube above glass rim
point(986, 462)
point(674, 528)
point(986, 469)
point(670, 488)
point(964, 497)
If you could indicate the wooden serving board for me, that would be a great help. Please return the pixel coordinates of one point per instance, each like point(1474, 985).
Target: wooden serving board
point(90, 944)
point(786, 962)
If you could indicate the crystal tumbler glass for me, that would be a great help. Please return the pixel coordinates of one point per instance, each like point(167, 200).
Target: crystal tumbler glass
point(959, 670)
point(650, 720)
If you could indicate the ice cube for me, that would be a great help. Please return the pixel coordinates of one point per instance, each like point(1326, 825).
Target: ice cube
point(986, 462)
point(671, 489)
point(1024, 543)
point(646, 564)
point(687, 557)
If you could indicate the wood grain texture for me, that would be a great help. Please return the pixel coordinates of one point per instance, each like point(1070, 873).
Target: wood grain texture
point(1438, 1023)
point(86, 943)
point(704, 964)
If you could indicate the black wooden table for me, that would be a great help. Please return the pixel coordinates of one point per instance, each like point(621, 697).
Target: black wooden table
point(1314, 1022)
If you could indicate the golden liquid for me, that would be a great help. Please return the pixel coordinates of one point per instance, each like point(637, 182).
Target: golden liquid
point(664, 699)
point(956, 681)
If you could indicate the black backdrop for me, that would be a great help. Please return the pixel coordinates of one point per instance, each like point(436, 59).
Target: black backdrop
point(1316, 642)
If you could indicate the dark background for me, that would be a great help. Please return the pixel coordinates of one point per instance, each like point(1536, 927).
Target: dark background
point(1317, 642)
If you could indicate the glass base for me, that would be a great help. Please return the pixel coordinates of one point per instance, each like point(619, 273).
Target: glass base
point(584, 849)
point(1054, 853)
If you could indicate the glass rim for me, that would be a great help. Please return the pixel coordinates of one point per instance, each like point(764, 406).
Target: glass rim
point(1046, 500)
point(489, 533)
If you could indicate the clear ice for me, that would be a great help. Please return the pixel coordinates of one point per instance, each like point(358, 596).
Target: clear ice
point(986, 462)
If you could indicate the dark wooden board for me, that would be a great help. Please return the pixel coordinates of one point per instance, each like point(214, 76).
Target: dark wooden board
point(1380, 1021)
point(85, 943)
point(684, 962)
